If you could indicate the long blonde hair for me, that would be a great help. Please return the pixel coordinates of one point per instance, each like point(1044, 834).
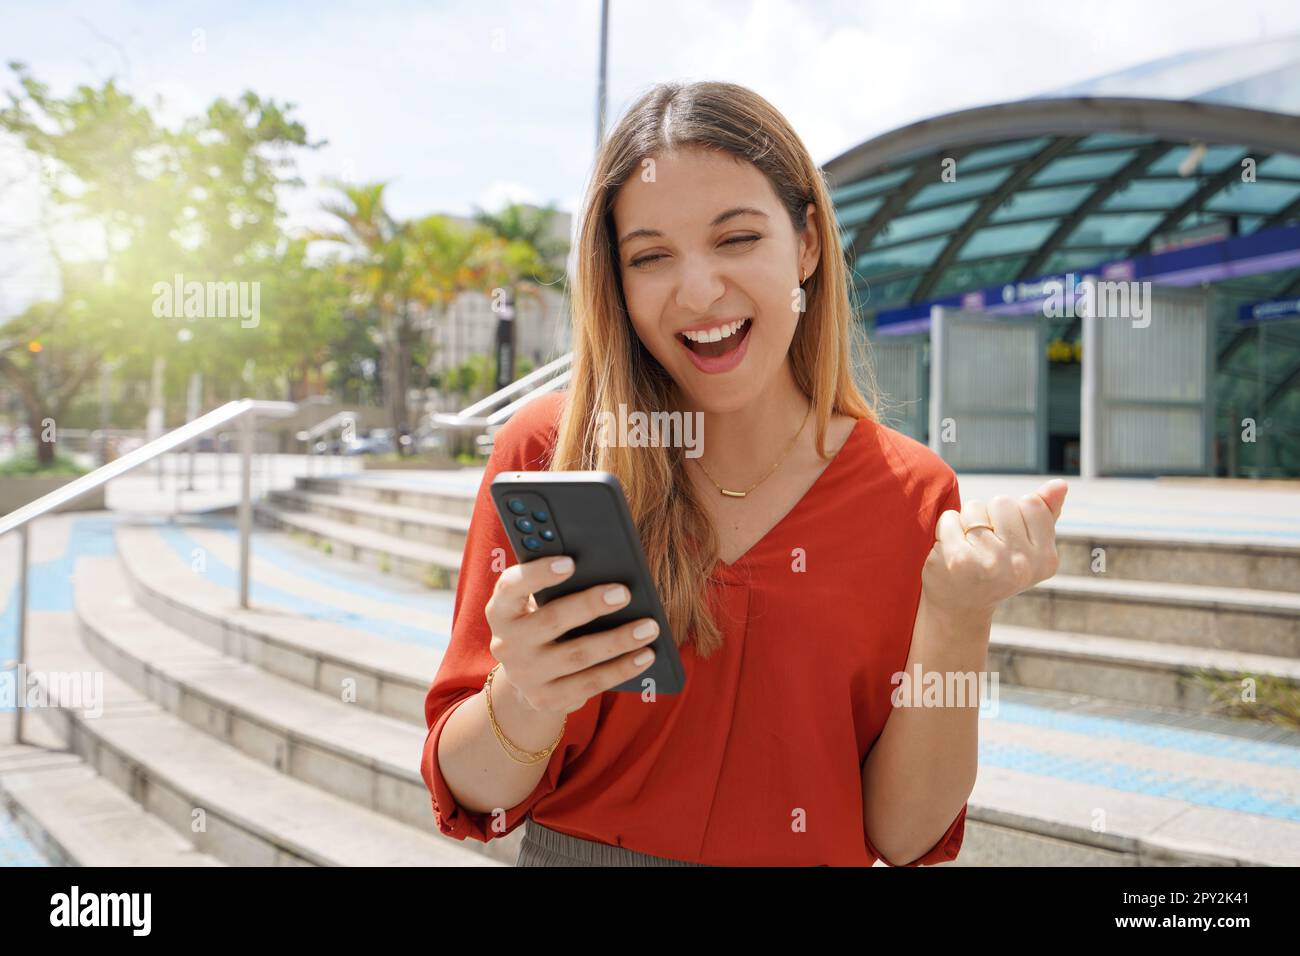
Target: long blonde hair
point(612, 366)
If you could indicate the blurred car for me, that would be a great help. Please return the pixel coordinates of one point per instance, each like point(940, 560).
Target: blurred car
point(430, 441)
point(379, 441)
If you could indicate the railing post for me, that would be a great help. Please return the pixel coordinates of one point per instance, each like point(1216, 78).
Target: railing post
point(1090, 388)
point(245, 501)
point(20, 691)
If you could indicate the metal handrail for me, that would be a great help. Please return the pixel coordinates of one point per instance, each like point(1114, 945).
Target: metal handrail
point(242, 410)
point(470, 417)
point(501, 414)
point(147, 452)
point(525, 384)
point(328, 424)
point(308, 435)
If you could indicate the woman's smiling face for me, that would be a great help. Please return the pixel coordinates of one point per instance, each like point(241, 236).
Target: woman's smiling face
point(706, 243)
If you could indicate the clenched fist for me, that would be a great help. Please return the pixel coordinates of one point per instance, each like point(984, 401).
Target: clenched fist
point(972, 568)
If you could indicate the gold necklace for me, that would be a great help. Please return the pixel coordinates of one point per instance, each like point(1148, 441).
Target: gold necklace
point(741, 494)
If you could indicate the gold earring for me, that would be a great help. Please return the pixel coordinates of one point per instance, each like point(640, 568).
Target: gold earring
point(802, 273)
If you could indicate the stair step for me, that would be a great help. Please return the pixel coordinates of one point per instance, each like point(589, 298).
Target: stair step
point(1017, 820)
point(391, 678)
point(401, 521)
point(1122, 650)
point(1179, 595)
point(79, 819)
point(315, 737)
point(434, 566)
point(1195, 561)
point(1238, 619)
point(1174, 676)
point(253, 815)
point(451, 493)
point(1067, 779)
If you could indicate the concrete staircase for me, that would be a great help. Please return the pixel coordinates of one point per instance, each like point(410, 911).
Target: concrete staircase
point(225, 736)
point(241, 808)
point(80, 819)
point(1158, 622)
point(1151, 621)
point(414, 533)
point(288, 734)
point(1138, 641)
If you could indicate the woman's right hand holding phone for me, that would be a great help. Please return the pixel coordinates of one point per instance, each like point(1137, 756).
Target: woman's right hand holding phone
point(560, 677)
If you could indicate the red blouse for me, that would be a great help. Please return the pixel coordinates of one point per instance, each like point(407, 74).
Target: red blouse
point(759, 760)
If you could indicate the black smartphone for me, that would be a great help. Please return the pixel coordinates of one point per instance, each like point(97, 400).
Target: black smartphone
point(584, 514)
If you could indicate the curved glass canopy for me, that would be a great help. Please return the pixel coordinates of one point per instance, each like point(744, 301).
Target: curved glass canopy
point(1080, 197)
point(1027, 208)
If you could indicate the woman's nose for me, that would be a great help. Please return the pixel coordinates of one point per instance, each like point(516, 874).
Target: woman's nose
point(699, 285)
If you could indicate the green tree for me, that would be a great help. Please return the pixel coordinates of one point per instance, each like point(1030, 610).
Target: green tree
point(403, 271)
point(310, 305)
point(535, 228)
point(374, 269)
point(530, 254)
point(198, 201)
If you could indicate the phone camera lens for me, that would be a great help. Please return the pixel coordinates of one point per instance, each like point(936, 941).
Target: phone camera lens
point(548, 534)
point(541, 516)
point(517, 506)
point(523, 524)
point(531, 543)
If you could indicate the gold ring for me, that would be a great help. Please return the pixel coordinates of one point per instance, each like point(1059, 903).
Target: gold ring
point(975, 526)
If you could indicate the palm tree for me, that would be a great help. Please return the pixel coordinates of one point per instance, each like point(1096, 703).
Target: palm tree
point(519, 222)
point(378, 276)
point(531, 257)
point(401, 267)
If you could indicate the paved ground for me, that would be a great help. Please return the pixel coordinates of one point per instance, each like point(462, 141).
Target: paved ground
point(216, 481)
point(1239, 511)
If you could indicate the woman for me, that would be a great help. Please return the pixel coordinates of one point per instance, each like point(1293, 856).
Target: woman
point(808, 556)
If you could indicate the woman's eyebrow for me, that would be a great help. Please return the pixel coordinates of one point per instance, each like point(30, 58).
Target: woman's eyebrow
point(718, 220)
point(735, 211)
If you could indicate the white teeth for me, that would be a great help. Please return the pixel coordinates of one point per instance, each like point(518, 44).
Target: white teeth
point(717, 334)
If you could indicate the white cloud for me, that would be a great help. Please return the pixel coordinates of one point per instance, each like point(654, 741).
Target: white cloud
point(499, 194)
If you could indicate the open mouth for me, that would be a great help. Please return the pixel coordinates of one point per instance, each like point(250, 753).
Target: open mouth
point(718, 347)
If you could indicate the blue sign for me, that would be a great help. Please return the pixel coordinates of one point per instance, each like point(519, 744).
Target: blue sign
point(1261, 311)
point(1269, 250)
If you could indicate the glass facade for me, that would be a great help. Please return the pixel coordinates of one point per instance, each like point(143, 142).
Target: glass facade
point(1024, 208)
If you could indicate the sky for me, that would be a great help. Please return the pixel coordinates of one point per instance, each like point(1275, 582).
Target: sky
point(483, 102)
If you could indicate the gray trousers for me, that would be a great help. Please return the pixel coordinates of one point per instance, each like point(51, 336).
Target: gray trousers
point(543, 846)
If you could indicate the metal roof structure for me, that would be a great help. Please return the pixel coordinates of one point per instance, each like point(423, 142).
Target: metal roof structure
point(1048, 186)
point(1200, 189)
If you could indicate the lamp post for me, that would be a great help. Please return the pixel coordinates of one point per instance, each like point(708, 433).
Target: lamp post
point(600, 73)
point(505, 346)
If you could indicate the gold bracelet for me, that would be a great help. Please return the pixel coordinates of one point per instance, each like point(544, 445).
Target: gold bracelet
point(506, 744)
